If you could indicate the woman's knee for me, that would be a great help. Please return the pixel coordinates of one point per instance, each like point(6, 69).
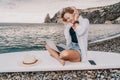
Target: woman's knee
point(64, 54)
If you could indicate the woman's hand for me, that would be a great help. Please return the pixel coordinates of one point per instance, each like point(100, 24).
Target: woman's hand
point(75, 25)
point(75, 14)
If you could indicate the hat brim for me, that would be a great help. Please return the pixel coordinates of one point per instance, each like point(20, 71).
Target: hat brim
point(20, 63)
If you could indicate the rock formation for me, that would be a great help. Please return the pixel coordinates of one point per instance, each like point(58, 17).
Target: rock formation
point(47, 19)
point(98, 15)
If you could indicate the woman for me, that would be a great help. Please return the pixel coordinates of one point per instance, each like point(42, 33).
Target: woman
point(76, 33)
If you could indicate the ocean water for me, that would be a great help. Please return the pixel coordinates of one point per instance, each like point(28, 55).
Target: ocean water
point(26, 37)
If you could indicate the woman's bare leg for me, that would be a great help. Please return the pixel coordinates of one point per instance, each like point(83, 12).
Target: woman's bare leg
point(71, 55)
point(55, 54)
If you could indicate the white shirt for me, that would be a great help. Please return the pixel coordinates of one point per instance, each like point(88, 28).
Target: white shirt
point(82, 35)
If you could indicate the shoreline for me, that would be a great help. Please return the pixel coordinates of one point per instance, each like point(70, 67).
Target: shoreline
point(103, 74)
point(25, 37)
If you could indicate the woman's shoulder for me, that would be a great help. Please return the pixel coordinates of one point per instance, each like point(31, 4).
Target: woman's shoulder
point(82, 19)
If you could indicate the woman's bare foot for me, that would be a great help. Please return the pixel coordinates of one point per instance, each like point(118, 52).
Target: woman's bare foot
point(55, 54)
point(51, 55)
point(62, 61)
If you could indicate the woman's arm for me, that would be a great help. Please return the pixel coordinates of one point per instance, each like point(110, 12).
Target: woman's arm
point(82, 27)
point(67, 35)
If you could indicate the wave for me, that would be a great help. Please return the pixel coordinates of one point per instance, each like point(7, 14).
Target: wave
point(9, 49)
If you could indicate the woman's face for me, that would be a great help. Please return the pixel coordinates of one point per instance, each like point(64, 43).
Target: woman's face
point(68, 17)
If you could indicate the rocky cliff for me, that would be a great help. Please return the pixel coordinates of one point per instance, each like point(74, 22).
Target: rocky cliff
point(98, 15)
